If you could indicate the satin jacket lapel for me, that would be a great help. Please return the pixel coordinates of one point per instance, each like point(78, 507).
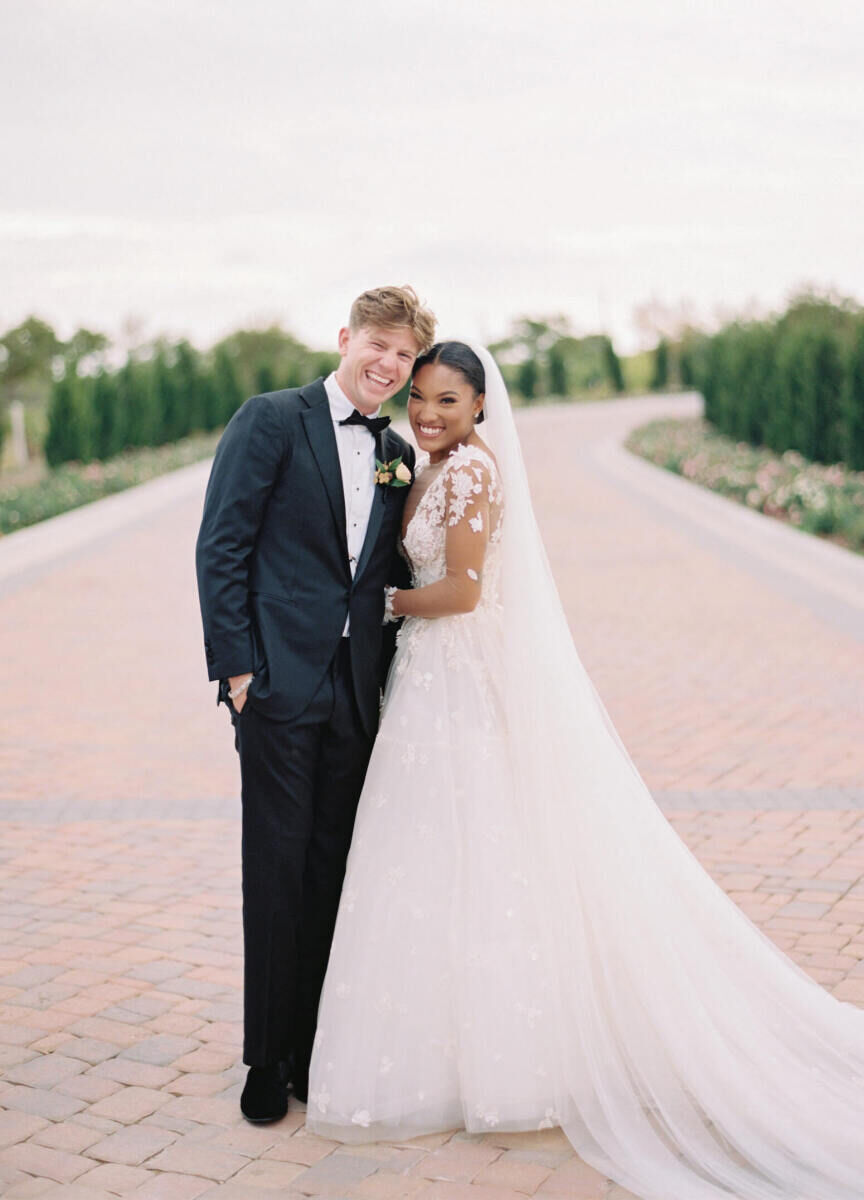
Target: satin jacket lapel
point(319, 430)
point(387, 451)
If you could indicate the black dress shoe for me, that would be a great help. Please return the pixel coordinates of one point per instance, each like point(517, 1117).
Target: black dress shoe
point(265, 1097)
point(295, 1073)
point(300, 1087)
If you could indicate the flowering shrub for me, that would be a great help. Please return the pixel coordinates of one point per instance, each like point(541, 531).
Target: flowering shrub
point(72, 485)
point(828, 500)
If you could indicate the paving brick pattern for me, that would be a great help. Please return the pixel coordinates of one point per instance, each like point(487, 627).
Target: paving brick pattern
point(120, 966)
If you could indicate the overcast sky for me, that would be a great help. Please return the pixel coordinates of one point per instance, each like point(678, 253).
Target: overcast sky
point(201, 165)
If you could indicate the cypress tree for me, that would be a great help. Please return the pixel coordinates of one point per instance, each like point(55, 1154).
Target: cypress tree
point(139, 402)
point(295, 376)
point(784, 427)
point(813, 377)
point(736, 396)
point(69, 423)
point(689, 369)
point(612, 366)
point(527, 378)
point(108, 431)
point(557, 368)
point(711, 380)
point(189, 391)
point(852, 435)
point(826, 407)
point(660, 377)
point(229, 392)
point(210, 408)
point(757, 384)
point(265, 380)
point(60, 419)
point(170, 406)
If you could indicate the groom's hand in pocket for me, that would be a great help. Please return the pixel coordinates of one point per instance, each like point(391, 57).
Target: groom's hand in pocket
point(233, 683)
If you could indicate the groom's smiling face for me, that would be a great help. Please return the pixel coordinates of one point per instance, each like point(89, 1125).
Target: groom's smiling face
point(376, 363)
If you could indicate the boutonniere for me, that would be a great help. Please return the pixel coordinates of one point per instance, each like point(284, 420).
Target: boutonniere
point(392, 474)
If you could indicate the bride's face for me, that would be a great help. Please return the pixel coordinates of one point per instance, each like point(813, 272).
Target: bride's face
point(441, 408)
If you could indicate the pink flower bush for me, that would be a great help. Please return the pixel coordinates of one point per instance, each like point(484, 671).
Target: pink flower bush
point(827, 500)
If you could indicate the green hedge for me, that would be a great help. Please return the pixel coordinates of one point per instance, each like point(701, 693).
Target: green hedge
point(151, 402)
point(168, 392)
point(795, 382)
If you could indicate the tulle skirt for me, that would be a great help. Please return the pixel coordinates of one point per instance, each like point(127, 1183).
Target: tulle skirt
point(504, 964)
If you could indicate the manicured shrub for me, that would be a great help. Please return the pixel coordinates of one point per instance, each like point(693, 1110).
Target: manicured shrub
point(70, 428)
point(557, 371)
point(109, 430)
point(187, 379)
point(612, 366)
point(141, 403)
point(660, 376)
point(792, 383)
point(852, 404)
point(228, 390)
point(527, 378)
point(265, 380)
point(169, 402)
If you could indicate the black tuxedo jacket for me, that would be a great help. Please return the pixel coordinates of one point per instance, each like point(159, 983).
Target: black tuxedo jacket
point(274, 581)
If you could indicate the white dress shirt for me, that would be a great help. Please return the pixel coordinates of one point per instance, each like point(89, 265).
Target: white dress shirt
point(356, 447)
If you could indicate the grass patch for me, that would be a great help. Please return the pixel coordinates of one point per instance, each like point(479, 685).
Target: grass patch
point(825, 500)
point(75, 484)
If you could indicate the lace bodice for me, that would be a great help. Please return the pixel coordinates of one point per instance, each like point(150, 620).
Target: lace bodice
point(464, 498)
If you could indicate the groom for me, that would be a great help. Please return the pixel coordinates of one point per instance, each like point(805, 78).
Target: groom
point(297, 544)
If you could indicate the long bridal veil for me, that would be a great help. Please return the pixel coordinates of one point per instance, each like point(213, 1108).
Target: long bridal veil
point(696, 1060)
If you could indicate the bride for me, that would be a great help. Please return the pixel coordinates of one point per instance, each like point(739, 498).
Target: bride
point(523, 941)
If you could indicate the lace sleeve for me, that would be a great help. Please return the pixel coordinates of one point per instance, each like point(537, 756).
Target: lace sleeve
point(469, 490)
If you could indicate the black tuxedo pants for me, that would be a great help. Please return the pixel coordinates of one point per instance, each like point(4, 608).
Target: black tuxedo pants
point(301, 781)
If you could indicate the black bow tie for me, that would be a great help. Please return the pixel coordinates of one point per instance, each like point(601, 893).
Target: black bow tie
point(375, 425)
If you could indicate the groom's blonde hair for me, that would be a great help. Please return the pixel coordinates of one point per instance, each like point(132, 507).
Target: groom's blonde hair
point(395, 308)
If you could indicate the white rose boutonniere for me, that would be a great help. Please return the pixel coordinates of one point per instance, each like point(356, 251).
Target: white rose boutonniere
point(392, 474)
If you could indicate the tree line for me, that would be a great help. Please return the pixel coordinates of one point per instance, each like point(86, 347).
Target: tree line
point(542, 357)
point(163, 392)
point(147, 402)
point(791, 382)
point(166, 390)
point(171, 391)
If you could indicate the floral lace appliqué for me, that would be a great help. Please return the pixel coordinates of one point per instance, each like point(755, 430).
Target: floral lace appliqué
point(468, 476)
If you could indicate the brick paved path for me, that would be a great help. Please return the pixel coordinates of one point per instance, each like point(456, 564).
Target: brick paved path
point(729, 651)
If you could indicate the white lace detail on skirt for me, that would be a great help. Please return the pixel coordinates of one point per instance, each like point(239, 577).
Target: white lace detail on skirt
point(434, 785)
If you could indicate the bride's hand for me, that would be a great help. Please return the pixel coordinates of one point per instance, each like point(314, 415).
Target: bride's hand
point(391, 611)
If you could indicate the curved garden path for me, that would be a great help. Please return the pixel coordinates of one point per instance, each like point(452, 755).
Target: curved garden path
point(728, 649)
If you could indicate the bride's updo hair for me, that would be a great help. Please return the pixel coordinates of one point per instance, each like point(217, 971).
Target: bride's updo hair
point(460, 358)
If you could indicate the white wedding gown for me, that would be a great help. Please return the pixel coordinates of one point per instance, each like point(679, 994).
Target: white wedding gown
point(523, 941)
